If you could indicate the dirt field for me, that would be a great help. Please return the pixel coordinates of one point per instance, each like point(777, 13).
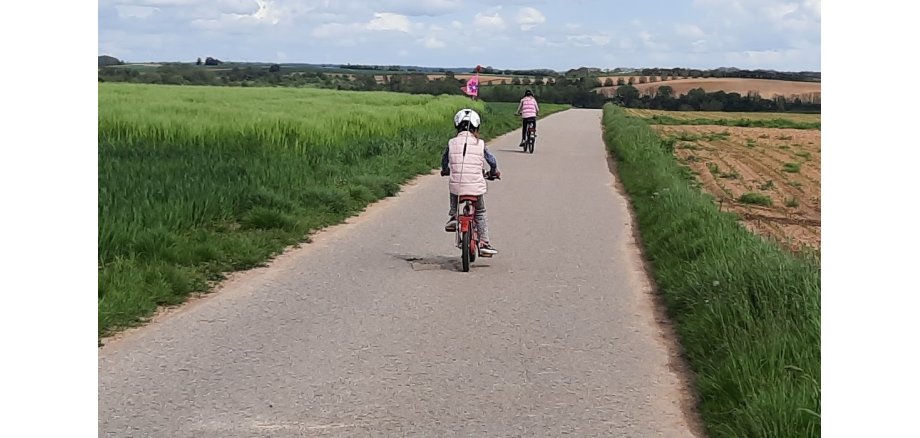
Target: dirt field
point(783, 165)
point(483, 79)
point(767, 88)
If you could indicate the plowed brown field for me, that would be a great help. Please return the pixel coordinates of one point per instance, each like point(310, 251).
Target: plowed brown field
point(767, 88)
point(783, 165)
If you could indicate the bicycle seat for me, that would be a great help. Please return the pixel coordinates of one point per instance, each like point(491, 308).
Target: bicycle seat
point(468, 198)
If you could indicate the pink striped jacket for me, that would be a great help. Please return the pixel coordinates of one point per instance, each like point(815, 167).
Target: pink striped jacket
point(528, 107)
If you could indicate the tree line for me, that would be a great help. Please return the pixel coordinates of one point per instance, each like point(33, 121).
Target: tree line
point(699, 99)
point(576, 91)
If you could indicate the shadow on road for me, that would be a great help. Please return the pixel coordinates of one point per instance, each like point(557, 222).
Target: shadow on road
point(437, 262)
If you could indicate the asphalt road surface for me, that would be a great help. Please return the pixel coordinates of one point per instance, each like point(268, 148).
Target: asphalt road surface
point(371, 330)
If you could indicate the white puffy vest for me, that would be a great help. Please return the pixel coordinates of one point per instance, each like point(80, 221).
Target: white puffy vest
point(469, 179)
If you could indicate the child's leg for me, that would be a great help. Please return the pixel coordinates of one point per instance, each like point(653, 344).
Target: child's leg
point(481, 220)
point(453, 206)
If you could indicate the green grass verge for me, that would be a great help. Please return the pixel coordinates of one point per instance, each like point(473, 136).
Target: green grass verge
point(195, 182)
point(756, 123)
point(747, 312)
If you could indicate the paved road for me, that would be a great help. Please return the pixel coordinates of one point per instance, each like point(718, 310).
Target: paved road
point(372, 331)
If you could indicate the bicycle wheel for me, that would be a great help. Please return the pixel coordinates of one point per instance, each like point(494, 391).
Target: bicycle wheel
point(465, 248)
point(530, 145)
point(474, 250)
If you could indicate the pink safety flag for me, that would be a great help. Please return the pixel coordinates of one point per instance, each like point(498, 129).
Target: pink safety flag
point(472, 86)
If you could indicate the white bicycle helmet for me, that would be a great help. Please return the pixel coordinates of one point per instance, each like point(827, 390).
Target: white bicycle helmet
point(468, 115)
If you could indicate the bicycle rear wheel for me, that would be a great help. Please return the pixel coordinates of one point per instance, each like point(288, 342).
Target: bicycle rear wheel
point(465, 248)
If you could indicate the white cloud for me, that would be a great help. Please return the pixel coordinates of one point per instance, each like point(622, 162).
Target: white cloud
point(456, 24)
point(420, 7)
point(389, 21)
point(528, 17)
point(240, 6)
point(382, 21)
point(130, 11)
point(494, 22)
point(648, 41)
point(626, 44)
point(814, 7)
point(333, 30)
point(167, 3)
point(433, 42)
point(699, 46)
point(689, 31)
point(221, 6)
point(585, 40)
point(757, 57)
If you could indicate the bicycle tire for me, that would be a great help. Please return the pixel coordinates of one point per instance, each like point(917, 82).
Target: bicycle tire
point(465, 248)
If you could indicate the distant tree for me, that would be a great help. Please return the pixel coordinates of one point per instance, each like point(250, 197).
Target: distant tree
point(526, 81)
point(695, 97)
point(105, 60)
point(712, 105)
point(631, 80)
point(608, 82)
point(627, 94)
point(665, 92)
point(274, 68)
point(368, 82)
point(643, 79)
point(621, 81)
point(199, 61)
point(212, 61)
point(515, 81)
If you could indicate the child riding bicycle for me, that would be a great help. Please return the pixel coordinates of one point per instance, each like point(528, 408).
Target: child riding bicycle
point(528, 110)
point(465, 160)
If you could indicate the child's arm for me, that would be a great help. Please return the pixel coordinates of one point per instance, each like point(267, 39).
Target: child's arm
point(491, 160)
point(445, 161)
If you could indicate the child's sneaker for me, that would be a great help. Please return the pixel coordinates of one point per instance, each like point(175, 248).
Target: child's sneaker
point(486, 250)
point(451, 225)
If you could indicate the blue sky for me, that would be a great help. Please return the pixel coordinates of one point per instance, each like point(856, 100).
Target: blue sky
point(781, 35)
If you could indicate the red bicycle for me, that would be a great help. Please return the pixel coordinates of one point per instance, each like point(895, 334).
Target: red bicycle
point(467, 234)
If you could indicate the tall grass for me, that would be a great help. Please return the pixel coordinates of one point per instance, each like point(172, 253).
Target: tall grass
point(198, 181)
point(753, 123)
point(796, 117)
point(747, 312)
